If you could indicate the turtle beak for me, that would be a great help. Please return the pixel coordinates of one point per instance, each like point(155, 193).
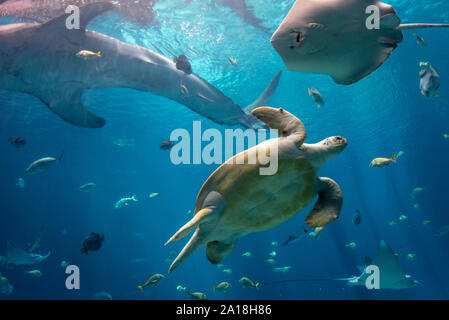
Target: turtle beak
point(341, 141)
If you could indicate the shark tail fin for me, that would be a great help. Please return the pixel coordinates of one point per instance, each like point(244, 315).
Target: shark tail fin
point(266, 95)
point(393, 158)
point(98, 54)
point(213, 288)
point(141, 288)
point(248, 120)
point(61, 156)
point(257, 285)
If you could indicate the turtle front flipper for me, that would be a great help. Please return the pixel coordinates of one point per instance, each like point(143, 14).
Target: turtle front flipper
point(216, 251)
point(283, 121)
point(328, 206)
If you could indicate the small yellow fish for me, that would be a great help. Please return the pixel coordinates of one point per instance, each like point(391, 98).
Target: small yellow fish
point(222, 286)
point(151, 282)
point(382, 162)
point(393, 223)
point(248, 283)
point(270, 261)
point(86, 54)
point(184, 90)
point(197, 295)
point(426, 222)
point(272, 254)
point(403, 218)
point(247, 254)
point(419, 40)
point(446, 136)
point(423, 64)
point(416, 206)
point(232, 61)
point(155, 194)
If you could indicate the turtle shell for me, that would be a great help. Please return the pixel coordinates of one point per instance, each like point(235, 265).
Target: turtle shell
point(256, 202)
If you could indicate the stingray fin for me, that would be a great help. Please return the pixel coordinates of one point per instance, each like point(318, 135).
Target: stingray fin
point(191, 225)
point(65, 101)
point(216, 251)
point(390, 21)
point(266, 95)
point(16, 255)
point(374, 56)
point(328, 206)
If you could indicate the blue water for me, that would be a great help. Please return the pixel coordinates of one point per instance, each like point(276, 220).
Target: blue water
point(380, 115)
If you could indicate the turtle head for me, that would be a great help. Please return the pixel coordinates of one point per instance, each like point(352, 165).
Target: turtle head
point(333, 146)
point(326, 149)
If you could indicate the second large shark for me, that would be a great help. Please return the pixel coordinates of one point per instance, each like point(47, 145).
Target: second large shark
point(40, 59)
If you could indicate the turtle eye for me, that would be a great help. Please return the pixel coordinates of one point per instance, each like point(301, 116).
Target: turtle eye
point(284, 132)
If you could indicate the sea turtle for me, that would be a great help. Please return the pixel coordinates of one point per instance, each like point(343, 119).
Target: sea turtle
point(237, 200)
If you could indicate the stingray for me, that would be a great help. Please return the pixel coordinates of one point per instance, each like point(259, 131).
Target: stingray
point(391, 274)
point(331, 37)
point(18, 256)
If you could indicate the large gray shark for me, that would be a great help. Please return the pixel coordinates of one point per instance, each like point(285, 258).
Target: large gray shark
point(41, 60)
point(43, 10)
point(331, 37)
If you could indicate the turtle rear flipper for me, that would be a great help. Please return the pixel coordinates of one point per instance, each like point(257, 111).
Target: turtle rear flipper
point(190, 226)
point(328, 206)
point(195, 242)
point(216, 251)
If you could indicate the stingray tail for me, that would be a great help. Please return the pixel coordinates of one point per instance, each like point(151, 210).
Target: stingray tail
point(409, 26)
point(309, 280)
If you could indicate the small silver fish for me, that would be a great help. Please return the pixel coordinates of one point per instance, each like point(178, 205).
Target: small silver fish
point(42, 164)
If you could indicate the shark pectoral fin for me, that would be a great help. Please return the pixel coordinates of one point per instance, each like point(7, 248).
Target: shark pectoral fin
point(86, 14)
point(328, 206)
point(66, 102)
point(216, 251)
